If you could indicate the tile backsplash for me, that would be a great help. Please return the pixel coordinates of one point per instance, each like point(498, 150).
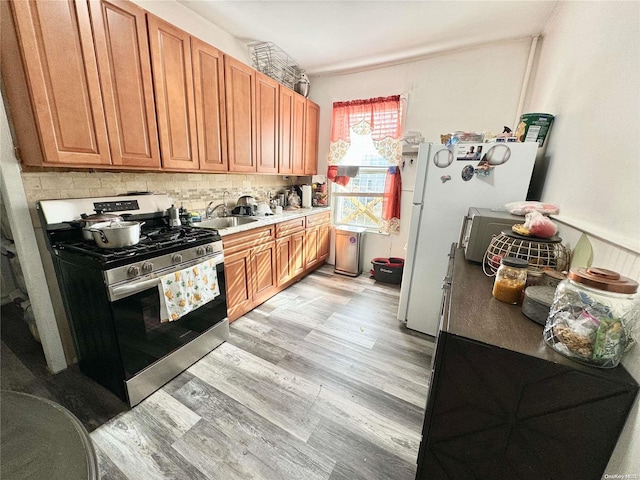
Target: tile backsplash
point(193, 190)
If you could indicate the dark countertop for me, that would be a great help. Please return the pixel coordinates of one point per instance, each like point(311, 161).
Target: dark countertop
point(475, 314)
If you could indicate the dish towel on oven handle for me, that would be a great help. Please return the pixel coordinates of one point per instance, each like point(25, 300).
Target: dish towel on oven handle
point(185, 290)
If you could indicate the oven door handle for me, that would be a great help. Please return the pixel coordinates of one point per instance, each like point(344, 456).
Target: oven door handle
point(122, 291)
point(116, 293)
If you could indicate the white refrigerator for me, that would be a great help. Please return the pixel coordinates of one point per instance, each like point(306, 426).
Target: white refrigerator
point(448, 182)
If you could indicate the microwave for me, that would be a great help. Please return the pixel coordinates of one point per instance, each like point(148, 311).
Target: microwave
point(479, 227)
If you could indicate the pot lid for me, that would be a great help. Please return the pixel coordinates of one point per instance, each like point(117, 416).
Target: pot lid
point(603, 279)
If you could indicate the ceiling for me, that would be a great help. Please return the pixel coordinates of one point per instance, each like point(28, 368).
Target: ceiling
point(332, 36)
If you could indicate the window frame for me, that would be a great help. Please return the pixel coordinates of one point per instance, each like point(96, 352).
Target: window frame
point(335, 194)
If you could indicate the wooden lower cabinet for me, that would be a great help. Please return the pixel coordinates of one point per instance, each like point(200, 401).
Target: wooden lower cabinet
point(290, 257)
point(296, 251)
point(283, 260)
point(251, 278)
point(311, 247)
point(259, 263)
point(318, 239)
point(324, 242)
point(263, 265)
point(238, 276)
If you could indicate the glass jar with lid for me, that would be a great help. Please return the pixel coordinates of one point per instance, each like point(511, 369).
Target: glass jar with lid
point(510, 280)
point(592, 316)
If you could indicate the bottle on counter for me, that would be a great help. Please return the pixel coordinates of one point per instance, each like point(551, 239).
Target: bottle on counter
point(510, 280)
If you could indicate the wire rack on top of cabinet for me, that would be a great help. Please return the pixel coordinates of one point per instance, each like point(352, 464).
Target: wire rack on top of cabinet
point(269, 59)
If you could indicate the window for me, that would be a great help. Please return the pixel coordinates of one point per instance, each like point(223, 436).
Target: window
point(364, 156)
point(359, 203)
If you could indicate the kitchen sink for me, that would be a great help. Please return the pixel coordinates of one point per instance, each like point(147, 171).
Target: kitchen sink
point(224, 222)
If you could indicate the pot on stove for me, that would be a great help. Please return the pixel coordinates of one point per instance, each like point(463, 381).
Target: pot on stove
point(89, 221)
point(116, 234)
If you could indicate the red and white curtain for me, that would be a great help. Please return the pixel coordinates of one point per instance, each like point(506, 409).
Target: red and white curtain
point(381, 118)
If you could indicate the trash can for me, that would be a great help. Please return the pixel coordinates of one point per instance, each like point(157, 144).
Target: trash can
point(347, 254)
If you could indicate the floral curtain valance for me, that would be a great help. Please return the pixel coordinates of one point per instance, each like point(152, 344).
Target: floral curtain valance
point(379, 117)
point(382, 114)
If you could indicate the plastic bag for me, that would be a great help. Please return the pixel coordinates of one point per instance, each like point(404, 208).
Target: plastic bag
point(539, 226)
point(522, 208)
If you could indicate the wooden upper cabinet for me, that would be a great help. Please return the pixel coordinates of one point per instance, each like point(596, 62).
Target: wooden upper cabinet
point(240, 104)
point(298, 144)
point(311, 138)
point(122, 48)
point(267, 100)
point(285, 131)
point(62, 73)
point(174, 94)
point(208, 78)
point(292, 116)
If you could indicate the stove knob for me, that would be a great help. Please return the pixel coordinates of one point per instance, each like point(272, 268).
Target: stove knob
point(133, 271)
point(147, 267)
point(177, 258)
point(209, 248)
point(200, 251)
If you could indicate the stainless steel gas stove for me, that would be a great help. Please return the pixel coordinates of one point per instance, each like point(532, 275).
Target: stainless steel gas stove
point(112, 299)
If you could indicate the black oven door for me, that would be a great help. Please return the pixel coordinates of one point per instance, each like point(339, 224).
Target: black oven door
point(144, 340)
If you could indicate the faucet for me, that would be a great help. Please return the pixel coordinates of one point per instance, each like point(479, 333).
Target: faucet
point(225, 211)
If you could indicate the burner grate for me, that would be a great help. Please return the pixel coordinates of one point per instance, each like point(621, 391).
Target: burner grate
point(151, 241)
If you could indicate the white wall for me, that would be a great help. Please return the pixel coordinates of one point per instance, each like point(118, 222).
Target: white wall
point(589, 77)
point(475, 89)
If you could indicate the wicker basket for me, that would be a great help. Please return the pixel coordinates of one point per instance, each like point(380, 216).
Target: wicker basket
point(269, 59)
point(539, 252)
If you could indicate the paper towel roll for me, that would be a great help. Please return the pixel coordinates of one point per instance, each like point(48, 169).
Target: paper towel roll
point(306, 196)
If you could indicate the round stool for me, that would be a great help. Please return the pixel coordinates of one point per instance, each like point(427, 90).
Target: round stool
point(43, 440)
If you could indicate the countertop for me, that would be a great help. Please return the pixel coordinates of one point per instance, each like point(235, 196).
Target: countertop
point(262, 221)
point(475, 314)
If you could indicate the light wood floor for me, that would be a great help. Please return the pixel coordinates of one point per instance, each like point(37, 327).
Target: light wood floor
point(320, 382)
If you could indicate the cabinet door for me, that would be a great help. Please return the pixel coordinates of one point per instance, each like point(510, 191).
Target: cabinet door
point(122, 48)
point(61, 68)
point(208, 78)
point(237, 270)
point(283, 260)
point(263, 265)
point(298, 143)
point(267, 99)
point(173, 80)
point(285, 134)
point(311, 247)
point(296, 254)
point(240, 102)
point(324, 242)
point(311, 138)
point(524, 412)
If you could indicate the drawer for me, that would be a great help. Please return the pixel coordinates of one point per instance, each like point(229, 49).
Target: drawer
point(318, 219)
point(238, 242)
point(290, 226)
